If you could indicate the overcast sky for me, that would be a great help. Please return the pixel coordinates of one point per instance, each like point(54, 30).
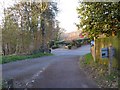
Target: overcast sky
point(67, 15)
point(5, 4)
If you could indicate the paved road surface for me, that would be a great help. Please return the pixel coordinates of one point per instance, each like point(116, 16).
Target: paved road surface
point(76, 52)
point(59, 71)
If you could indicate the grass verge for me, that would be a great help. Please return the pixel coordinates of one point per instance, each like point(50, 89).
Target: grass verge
point(99, 72)
point(12, 58)
point(88, 58)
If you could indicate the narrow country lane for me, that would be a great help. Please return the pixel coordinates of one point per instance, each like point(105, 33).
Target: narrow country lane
point(59, 71)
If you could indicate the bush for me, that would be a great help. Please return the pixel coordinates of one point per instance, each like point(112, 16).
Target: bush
point(55, 46)
point(69, 46)
point(51, 43)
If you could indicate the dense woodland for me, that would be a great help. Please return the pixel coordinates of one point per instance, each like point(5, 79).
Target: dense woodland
point(97, 18)
point(28, 27)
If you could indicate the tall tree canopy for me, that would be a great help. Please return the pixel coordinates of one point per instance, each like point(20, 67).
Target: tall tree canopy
point(98, 18)
point(25, 23)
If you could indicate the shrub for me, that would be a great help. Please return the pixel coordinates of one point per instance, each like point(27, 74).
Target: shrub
point(55, 46)
point(69, 46)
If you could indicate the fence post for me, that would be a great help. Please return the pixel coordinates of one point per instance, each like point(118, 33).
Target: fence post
point(94, 50)
point(111, 54)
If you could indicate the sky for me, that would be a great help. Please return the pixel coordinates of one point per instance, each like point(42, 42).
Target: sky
point(67, 15)
point(5, 4)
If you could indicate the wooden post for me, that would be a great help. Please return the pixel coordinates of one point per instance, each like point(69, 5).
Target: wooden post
point(111, 54)
point(94, 50)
